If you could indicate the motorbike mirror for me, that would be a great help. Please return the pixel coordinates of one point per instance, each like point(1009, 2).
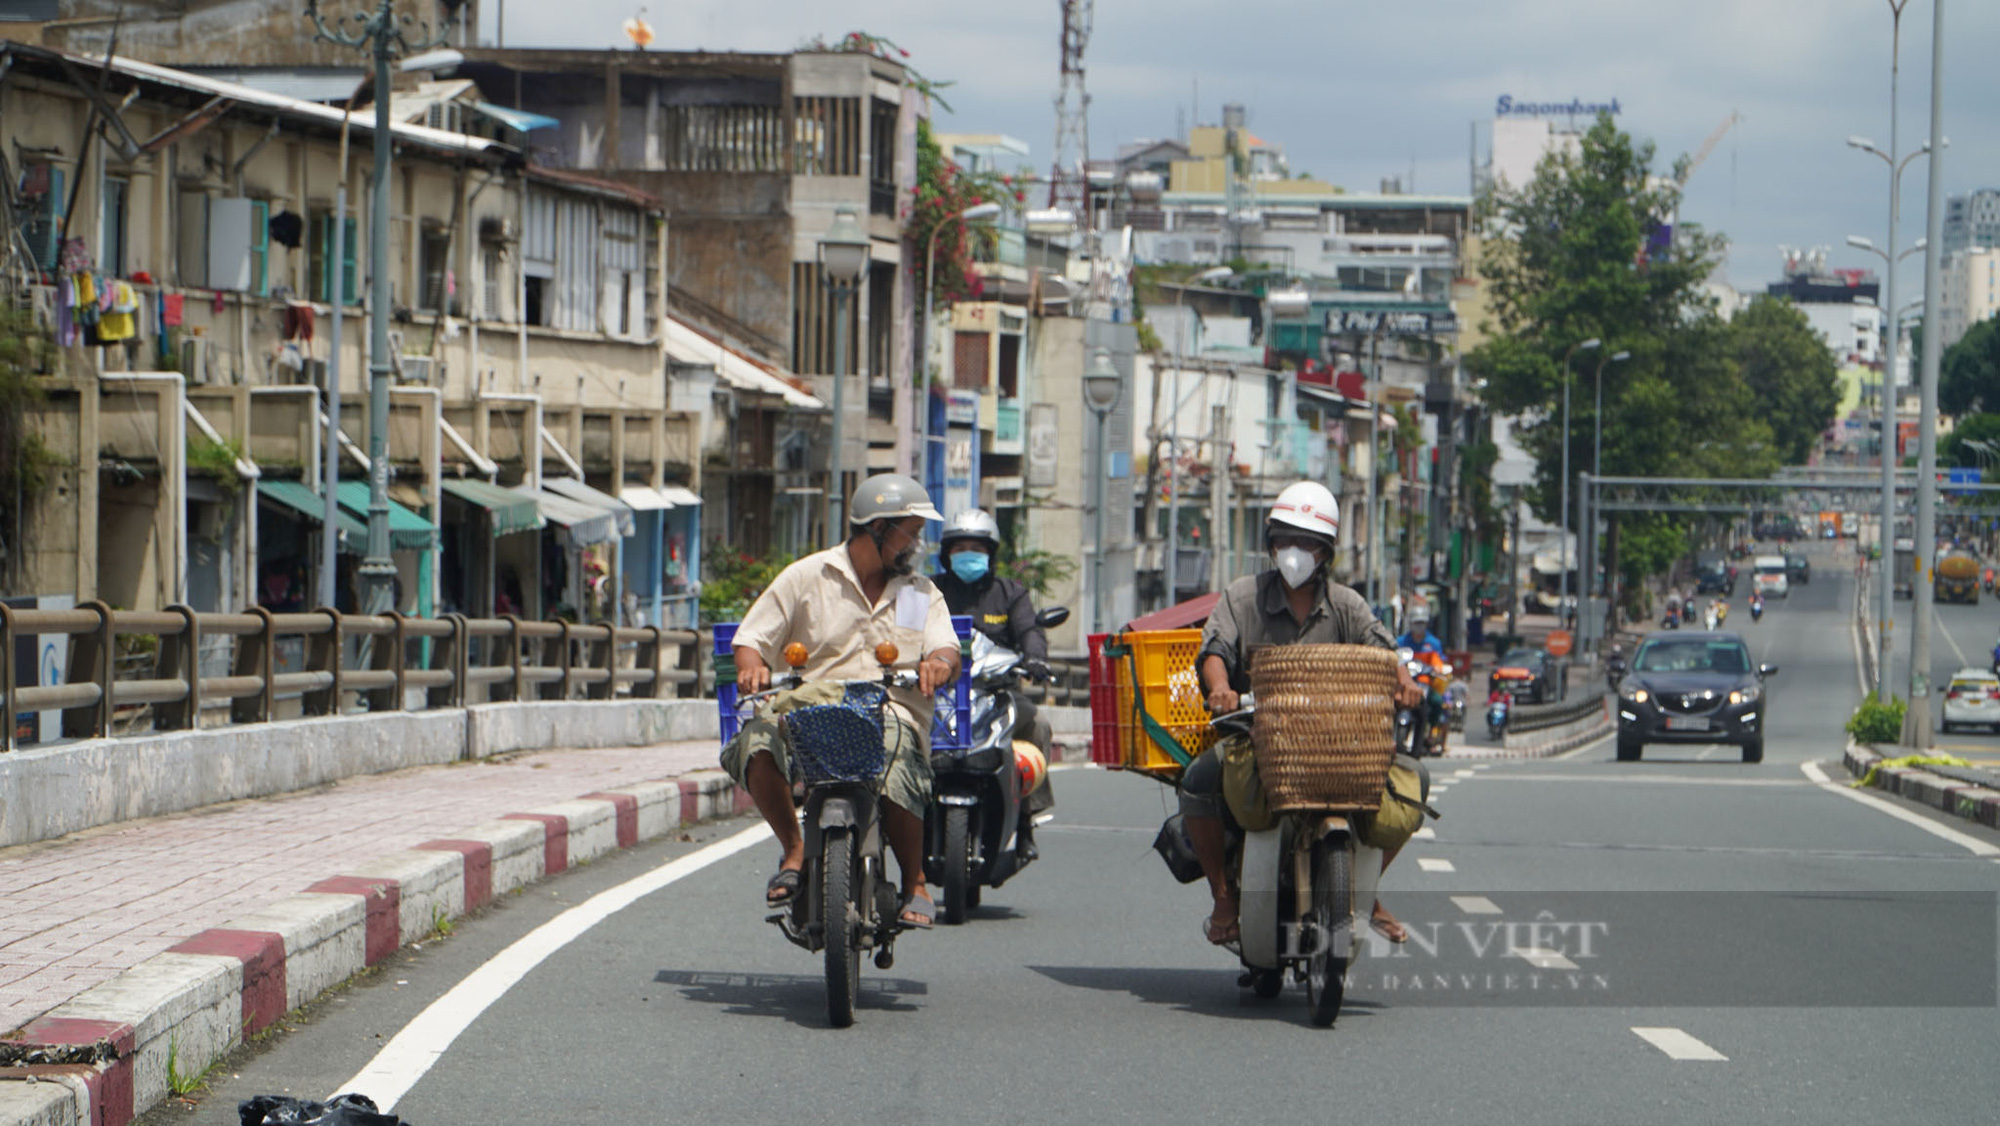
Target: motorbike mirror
point(886, 653)
point(1767, 670)
point(1052, 617)
point(795, 654)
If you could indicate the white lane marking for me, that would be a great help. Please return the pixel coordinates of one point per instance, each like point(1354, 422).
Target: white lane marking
point(1678, 1045)
point(1476, 905)
point(1965, 841)
point(1948, 637)
point(1542, 959)
point(1646, 780)
point(1594, 744)
point(1440, 788)
point(1425, 834)
point(1433, 864)
point(1482, 766)
point(1461, 774)
point(1056, 766)
point(412, 1052)
point(1704, 756)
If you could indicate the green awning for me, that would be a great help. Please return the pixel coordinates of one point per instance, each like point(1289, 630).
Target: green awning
point(407, 530)
point(510, 511)
point(310, 505)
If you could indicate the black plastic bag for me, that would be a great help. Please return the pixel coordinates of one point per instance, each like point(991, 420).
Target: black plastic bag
point(341, 1110)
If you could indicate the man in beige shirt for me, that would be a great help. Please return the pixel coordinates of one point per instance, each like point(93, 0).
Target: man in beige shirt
point(840, 604)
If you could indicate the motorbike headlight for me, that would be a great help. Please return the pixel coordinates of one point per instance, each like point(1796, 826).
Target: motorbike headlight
point(1749, 695)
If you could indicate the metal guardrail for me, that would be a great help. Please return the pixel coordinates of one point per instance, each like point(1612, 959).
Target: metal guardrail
point(1538, 717)
point(522, 660)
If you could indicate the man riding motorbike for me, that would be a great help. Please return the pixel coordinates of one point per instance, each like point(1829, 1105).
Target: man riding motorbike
point(840, 604)
point(1419, 639)
point(1295, 602)
point(1001, 609)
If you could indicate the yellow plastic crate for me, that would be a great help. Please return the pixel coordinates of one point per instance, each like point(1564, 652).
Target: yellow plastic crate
point(1170, 691)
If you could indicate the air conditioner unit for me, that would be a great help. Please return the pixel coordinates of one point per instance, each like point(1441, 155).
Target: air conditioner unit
point(194, 359)
point(417, 370)
point(495, 228)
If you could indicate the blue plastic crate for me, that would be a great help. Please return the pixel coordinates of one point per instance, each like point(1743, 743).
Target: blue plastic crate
point(951, 725)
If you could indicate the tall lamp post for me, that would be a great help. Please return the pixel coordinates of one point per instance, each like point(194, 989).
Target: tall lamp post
point(1101, 386)
point(386, 35)
point(977, 213)
point(1593, 343)
point(1173, 559)
point(1917, 719)
point(843, 255)
point(1597, 474)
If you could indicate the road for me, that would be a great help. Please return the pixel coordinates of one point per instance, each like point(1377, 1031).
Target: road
point(1961, 636)
point(1750, 945)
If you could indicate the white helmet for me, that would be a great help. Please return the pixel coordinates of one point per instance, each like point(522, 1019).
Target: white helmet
point(1308, 507)
point(1420, 615)
point(974, 524)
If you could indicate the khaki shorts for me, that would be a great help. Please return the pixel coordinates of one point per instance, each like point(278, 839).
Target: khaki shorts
point(906, 783)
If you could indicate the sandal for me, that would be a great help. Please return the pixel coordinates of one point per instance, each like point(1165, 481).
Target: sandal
point(919, 912)
point(1220, 935)
point(1389, 928)
point(783, 888)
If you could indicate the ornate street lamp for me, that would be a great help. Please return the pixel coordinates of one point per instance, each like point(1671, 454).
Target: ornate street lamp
point(1101, 387)
point(843, 256)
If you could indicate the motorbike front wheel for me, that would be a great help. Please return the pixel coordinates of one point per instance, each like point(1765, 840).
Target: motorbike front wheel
point(957, 863)
point(1333, 915)
point(843, 952)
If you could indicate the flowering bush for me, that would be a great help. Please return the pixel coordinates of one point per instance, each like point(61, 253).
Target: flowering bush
point(735, 582)
point(943, 192)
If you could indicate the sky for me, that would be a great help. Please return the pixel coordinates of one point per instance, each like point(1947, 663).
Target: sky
point(1360, 91)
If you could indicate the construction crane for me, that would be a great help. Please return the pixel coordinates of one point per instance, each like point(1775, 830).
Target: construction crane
point(1069, 188)
point(1707, 147)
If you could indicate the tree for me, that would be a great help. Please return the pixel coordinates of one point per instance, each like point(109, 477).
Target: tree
point(1970, 428)
point(1789, 372)
point(1969, 374)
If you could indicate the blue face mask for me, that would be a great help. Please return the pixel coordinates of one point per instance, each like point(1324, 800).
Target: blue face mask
point(970, 566)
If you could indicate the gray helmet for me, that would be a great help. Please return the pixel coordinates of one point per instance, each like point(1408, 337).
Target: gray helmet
point(972, 524)
point(889, 496)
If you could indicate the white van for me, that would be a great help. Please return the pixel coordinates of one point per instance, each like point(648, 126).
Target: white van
point(1770, 579)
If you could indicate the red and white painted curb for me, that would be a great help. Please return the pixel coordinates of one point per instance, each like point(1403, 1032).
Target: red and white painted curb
point(105, 1056)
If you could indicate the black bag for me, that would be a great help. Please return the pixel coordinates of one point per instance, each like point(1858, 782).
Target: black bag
point(1174, 847)
point(341, 1110)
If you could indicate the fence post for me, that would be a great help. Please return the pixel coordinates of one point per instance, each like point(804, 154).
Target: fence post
point(180, 658)
point(514, 657)
point(450, 654)
point(91, 659)
point(385, 654)
point(603, 655)
point(689, 657)
point(323, 655)
point(563, 687)
point(253, 658)
point(648, 657)
point(8, 717)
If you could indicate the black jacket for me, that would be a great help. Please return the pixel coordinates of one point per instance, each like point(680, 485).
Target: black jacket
point(1001, 609)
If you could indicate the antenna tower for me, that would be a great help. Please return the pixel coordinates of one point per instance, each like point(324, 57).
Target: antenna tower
point(1068, 187)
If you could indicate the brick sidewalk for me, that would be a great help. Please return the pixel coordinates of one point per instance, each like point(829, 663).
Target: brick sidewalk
point(77, 911)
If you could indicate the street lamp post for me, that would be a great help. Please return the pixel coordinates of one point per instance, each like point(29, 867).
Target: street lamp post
point(1597, 474)
point(977, 213)
point(1591, 344)
point(1917, 719)
point(843, 255)
point(1173, 560)
point(386, 35)
point(1101, 386)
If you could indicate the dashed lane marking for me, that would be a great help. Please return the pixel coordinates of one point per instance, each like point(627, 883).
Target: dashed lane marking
point(1678, 1045)
point(1476, 905)
point(1425, 834)
point(1461, 774)
point(1433, 864)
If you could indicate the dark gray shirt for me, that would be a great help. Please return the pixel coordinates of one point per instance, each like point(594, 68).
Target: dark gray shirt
point(1253, 611)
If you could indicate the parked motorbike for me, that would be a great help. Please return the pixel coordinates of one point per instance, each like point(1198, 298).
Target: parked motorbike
point(845, 903)
point(1304, 888)
point(971, 832)
point(1499, 708)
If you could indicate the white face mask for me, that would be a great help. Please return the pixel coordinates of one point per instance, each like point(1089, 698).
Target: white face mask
point(1297, 565)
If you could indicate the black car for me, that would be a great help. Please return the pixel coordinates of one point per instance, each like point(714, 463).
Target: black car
point(1692, 687)
point(1536, 688)
point(1799, 568)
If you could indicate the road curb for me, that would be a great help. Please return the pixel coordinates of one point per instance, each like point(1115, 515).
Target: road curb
point(1965, 800)
point(116, 1050)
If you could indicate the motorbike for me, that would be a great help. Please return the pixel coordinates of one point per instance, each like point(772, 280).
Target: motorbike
point(1672, 620)
point(1454, 705)
point(1756, 610)
point(1304, 888)
point(1434, 674)
point(1996, 660)
point(971, 831)
point(845, 903)
point(1499, 706)
point(1614, 671)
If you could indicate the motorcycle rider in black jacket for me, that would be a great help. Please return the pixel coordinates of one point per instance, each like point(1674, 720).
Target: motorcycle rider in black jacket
point(1002, 609)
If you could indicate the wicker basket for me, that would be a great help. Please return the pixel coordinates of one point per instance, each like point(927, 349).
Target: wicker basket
point(1325, 728)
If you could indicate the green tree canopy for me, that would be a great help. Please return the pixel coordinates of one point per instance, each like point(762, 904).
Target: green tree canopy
point(1969, 374)
point(1789, 373)
point(1952, 448)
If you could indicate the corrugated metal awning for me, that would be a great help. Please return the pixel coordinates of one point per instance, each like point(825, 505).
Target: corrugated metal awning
point(509, 511)
point(407, 530)
point(621, 513)
point(582, 524)
point(689, 345)
point(311, 506)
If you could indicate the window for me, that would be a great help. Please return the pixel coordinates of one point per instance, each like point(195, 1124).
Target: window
point(435, 261)
point(826, 134)
point(812, 324)
point(1010, 366)
point(320, 253)
point(969, 360)
point(111, 256)
point(489, 283)
point(568, 253)
point(42, 203)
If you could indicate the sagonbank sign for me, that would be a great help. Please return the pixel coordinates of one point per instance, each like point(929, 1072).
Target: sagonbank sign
point(1577, 107)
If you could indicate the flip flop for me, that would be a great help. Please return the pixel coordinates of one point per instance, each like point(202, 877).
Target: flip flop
point(919, 912)
point(1390, 929)
point(783, 888)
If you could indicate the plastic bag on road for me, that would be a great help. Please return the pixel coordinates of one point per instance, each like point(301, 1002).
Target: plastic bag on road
point(341, 1110)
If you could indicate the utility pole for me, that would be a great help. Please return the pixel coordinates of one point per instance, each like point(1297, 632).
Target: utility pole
point(1917, 719)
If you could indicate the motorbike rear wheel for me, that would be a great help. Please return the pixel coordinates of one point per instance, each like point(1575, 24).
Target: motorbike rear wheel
point(957, 863)
point(843, 952)
point(1333, 916)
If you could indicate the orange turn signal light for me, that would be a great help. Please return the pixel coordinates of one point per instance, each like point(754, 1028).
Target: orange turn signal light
point(795, 654)
point(886, 653)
